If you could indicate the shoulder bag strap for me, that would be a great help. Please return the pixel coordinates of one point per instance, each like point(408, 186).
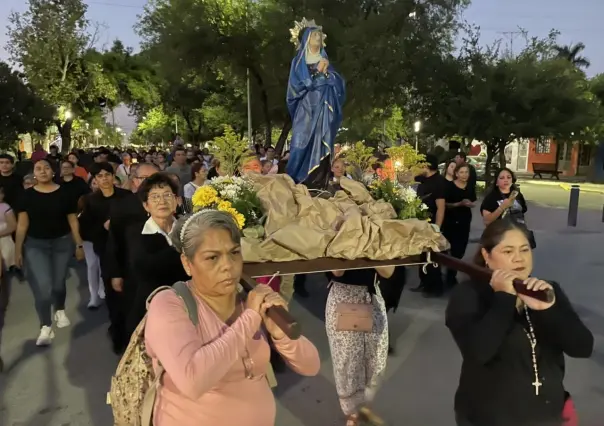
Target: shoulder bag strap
point(185, 294)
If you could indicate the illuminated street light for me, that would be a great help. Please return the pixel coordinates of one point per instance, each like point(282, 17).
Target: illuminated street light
point(412, 14)
point(417, 126)
point(96, 132)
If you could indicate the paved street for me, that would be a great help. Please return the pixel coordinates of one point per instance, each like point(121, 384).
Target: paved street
point(555, 196)
point(65, 385)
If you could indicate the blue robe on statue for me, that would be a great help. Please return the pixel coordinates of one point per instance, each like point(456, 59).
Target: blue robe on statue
point(315, 103)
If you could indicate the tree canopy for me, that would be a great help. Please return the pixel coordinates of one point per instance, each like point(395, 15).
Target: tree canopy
point(21, 110)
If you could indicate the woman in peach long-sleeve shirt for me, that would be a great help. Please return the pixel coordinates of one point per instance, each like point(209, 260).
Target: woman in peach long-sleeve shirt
point(216, 372)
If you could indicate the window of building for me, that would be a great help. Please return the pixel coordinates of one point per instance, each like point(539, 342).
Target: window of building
point(543, 146)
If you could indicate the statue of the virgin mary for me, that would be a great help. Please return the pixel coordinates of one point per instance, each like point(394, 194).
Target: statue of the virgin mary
point(315, 96)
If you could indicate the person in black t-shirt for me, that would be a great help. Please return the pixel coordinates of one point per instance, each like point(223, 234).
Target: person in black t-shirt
point(512, 345)
point(462, 158)
point(432, 191)
point(76, 186)
point(505, 199)
point(47, 228)
point(10, 181)
point(95, 221)
point(459, 197)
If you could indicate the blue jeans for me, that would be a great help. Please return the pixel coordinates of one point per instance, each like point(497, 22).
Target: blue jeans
point(46, 263)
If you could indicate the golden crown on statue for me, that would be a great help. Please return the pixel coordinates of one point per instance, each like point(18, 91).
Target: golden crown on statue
point(302, 25)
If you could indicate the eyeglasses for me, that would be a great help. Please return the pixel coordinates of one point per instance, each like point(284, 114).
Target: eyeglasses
point(156, 198)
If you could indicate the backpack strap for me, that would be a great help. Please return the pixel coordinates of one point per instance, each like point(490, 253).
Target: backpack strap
point(183, 291)
point(152, 295)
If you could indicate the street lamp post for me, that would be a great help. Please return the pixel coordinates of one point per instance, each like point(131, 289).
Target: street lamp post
point(417, 126)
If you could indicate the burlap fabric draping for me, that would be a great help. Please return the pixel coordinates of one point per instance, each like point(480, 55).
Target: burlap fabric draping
point(350, 225)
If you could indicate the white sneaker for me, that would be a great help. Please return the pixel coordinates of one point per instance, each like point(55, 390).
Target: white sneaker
point(61, 319)
point(45, 337)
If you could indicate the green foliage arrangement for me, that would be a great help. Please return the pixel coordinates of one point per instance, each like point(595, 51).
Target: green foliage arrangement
point(358, 159)
point(231, 150)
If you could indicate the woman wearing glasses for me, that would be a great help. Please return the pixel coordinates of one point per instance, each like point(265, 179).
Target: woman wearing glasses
point(216, 371)
point(153, 258)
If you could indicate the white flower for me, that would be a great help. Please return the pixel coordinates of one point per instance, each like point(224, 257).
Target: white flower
point(408, 194)
point(423, 207)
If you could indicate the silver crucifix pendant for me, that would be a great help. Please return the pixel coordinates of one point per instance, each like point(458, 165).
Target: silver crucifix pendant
point(537, 384)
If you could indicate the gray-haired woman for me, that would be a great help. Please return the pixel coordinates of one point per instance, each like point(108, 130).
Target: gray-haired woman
point(215, 371)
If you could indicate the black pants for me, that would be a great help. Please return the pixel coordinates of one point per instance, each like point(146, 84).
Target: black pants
point(458, 235)
point(431, 280)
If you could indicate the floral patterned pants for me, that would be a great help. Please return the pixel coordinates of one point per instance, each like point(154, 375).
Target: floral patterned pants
point(359, 359)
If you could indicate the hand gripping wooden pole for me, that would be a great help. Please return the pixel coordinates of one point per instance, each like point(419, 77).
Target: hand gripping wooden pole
point(484, 274)
point(284, 320)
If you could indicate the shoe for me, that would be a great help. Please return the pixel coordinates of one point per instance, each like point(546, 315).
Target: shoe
point(94, 304)
point(45, 337)
point(61, 319)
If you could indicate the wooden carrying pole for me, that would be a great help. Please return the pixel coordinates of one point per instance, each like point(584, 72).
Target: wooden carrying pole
point(484, 274)
point(278, 314)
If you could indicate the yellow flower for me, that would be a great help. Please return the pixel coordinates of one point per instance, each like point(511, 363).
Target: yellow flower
point(205, 196)
point(224, 205)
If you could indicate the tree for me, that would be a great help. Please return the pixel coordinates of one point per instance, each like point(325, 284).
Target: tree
point(572, 53)
point(496, 100)
point(49, 41)
point(377, 46)
point(21, 110)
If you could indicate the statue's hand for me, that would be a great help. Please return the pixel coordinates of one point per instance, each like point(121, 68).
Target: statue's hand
point(323, 66)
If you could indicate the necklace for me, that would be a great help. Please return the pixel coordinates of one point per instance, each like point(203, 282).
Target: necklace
point(533, 341)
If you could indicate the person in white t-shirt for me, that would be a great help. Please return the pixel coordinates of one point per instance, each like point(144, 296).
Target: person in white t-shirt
point(199, 174)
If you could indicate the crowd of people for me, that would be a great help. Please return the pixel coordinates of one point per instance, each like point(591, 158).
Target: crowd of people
point(129, 215)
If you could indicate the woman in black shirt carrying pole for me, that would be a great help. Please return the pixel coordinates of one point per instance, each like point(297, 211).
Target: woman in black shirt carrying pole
point(459, 199)
point(47, 228)
point(512, 345)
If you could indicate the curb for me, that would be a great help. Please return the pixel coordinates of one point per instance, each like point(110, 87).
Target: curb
point(568, 187)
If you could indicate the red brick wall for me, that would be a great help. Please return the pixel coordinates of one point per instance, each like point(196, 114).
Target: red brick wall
point(533, 157)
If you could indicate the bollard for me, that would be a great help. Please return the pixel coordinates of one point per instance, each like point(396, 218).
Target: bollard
point(573, 205)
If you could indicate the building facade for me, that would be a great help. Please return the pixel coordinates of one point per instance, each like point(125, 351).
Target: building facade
point(573, 158)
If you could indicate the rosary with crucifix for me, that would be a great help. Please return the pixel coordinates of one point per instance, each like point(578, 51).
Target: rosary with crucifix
point(533, 341)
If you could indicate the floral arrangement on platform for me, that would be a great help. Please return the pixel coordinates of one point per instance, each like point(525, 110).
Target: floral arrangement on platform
point(235, 195)
point(403, 198)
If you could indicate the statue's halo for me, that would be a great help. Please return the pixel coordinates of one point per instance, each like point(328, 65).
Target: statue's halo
point(302, 25)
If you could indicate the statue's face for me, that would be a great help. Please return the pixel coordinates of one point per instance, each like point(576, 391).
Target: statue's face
point(316, 40)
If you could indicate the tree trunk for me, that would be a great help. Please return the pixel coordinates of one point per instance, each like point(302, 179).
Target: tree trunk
point(501, 148)
point(283, 136)
point(491, 151)
point(265, 109)
point(65, 132)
